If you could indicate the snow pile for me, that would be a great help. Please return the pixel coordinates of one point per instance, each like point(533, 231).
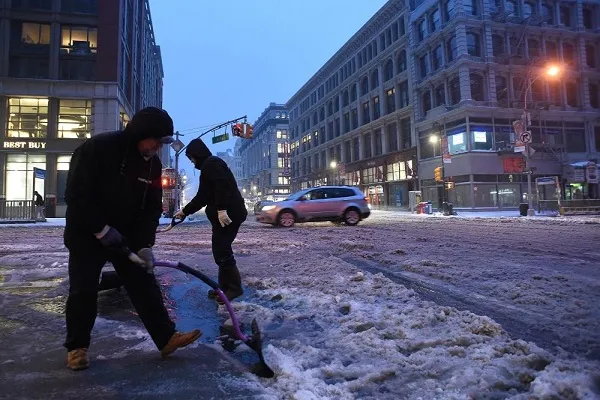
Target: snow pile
point(365, 336)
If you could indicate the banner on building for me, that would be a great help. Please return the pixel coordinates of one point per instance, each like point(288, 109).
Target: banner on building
point(591, 172)
point(445, 153)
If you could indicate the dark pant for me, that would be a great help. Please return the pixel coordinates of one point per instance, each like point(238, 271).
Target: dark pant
point(222, 238)
point(85, 265)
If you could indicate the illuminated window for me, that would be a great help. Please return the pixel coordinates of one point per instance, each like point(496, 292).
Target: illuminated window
point(74, 119)
point(28, 117)
point(35, 33)
point(79, 40)
point(280, 162)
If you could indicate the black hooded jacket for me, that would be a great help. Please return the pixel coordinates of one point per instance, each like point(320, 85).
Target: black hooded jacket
point(111, 183)
point(218, 189)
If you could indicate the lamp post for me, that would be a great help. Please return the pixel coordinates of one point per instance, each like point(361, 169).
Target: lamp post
point(434, 140)
point(551, 71)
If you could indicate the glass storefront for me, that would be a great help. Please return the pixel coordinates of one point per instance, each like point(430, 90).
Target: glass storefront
point(62, 170)
point(19, 175)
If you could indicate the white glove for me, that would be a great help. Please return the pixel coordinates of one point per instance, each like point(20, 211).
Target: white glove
point(223, 218)
point(179, 215)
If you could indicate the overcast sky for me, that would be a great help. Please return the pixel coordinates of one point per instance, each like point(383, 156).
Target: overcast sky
point(230, 58)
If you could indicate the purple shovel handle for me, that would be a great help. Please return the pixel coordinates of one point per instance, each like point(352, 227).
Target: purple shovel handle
point(213, 285)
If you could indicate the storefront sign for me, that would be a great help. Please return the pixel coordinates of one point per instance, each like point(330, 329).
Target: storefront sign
point(514, 165)
point(24, 145)
point(447, 159)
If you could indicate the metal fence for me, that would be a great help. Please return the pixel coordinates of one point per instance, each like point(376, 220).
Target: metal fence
point(17, 210)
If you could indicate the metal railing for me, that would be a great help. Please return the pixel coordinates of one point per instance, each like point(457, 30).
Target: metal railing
point(17, 210)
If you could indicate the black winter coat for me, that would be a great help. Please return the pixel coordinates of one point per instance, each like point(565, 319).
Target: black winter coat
point(110, 183)
point(218, 188)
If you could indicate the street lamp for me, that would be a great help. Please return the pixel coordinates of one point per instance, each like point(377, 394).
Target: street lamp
point(551, 71)
point(333, 165)
point(434, 140)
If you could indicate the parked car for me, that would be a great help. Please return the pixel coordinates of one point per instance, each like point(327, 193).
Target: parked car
point(345, 204)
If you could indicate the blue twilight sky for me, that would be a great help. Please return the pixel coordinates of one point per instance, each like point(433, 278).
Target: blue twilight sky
point(229, 58)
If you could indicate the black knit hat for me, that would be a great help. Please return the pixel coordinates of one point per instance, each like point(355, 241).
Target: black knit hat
point(152, 122)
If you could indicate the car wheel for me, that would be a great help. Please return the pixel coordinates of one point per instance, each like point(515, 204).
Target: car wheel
point(286, 219)
point(351, 217)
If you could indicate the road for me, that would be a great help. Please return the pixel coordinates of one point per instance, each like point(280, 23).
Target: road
point(540, 279)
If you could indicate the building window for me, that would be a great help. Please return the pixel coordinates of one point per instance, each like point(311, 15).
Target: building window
point(548, 14)
point(551, 50)
point(330, 108)
point(34, 4)
point(590, 56)
point(473, 45)
point(438, 58)
point(594, 90)
point(481, 138)
point(354, 118)
point(345, 98)
point(388, 71)
point(457, 142)
point(572, 94)
point(364, 86)
point(404, 95)
point(565, 15)
point(511, 8)
point(62, 171)
point(440, 96)
point(376, 109)
point(401, 61)
point(422, 29)
point(434, 20)
point(569, 53)
point(498, 45)
point(353, 96)
point(477, 90)
point(588, 17)
point(533, 46)
point(19, 175)
point(471, 7)
point(448, 10)
point(392, 138)
point(391, 100)
point(423, 66)
point(74, 119)
point(28, 118)
point(374, 79)
point(78, 6)
point(454, 91)
point(426, 101)
point(528, 10)
point(405, 133)
point(366, 114)
point(501, 90)
point(78, 40)
point(32, 33)
point(451, 49)
point(321, 114)
point(554, 91)
point(368, 148)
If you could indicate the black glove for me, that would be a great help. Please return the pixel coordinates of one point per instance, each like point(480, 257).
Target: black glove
point(111, 238)
point(148, 258)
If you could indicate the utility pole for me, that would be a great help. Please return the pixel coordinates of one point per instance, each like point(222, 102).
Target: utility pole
point(179, 147)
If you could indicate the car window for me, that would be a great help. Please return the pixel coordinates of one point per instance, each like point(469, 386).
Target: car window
point(315, 194)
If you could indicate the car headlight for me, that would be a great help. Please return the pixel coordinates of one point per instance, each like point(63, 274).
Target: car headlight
point(267, 208)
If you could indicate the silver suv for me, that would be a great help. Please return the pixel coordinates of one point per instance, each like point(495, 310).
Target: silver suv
point(340, 204)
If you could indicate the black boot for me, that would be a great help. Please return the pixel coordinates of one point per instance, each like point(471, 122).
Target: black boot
point(230, 283)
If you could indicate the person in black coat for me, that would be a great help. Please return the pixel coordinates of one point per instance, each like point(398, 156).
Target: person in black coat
point(114, 202)
point(225, 209)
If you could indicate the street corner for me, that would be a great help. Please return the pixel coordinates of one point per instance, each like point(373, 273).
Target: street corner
point(117, 372)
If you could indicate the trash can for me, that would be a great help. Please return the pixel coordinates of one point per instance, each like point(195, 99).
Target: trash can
point(523, 208)
point(50, 207)
point(429, 208)
point(448, 208)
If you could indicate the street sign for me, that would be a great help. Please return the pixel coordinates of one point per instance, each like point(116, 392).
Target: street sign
point(525, 137)
point(220, 138)
point(177, 145)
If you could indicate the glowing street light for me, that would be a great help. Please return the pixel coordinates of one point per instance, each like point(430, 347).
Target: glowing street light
point(433, 139)
point(333, 164)
point(553, 70)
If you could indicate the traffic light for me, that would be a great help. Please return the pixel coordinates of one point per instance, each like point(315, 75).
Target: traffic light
point(237, 130)
point(438, 173)
point(165, 182)
point(249, 131)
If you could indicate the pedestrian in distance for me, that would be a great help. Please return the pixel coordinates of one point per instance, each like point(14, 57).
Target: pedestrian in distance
point(114, 202)
point(39, 205)
point(225, 209)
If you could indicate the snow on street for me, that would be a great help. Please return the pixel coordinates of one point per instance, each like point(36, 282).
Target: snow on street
point(399, 307)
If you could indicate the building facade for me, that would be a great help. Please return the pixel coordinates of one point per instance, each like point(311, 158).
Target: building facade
point(421, 74)
point(265, 159)
point(352, 122)
point(68, 70)
point(476, 67)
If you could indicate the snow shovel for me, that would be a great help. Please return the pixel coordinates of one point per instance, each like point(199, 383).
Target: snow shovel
point(253, 341)
point(175, 221)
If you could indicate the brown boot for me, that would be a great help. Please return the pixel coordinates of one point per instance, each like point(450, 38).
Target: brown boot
point(180, 340)
point(77, 359)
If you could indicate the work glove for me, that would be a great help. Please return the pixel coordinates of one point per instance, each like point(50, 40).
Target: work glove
point(179, 215)
point(224, 219)
point(147, 258)
point(111, 238)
